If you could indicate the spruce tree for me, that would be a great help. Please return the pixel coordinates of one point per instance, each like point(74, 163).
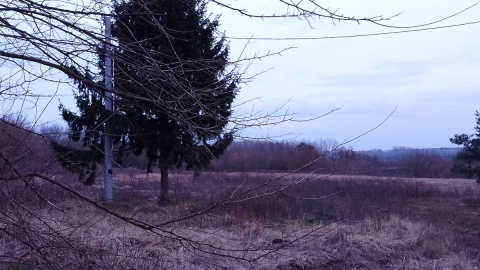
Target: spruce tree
point(85, 126)
point(195, 89)
point(173, 88)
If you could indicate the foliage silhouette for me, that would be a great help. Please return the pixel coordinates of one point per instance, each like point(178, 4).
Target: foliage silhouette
point(194, 82)
point(467, 161)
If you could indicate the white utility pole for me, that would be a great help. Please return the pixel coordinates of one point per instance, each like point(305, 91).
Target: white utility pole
point(108, 179)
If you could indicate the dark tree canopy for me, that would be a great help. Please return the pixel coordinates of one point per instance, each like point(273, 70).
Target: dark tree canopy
point(194, 84)
point(85, 126)
point(193, 80)
point(467, 161)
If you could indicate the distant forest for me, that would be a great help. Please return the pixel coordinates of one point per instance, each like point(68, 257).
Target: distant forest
point(327, 157)
point(398, 153)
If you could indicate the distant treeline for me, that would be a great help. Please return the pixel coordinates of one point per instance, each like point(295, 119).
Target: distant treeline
point(398, 153)
point(323, 156)
point(327, 157)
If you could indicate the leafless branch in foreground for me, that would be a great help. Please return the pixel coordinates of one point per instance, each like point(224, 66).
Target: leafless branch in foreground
point(49, 221)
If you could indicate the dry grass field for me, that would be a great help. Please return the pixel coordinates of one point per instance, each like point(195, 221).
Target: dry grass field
point(259, 221)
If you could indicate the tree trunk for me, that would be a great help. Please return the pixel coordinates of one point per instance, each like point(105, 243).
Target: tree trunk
point(164, 198)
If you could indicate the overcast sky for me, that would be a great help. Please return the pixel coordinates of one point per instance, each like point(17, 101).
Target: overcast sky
point(430, 77)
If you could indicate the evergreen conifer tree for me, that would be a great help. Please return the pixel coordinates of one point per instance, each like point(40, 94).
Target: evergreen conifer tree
point(176, 112)
point(467, 160)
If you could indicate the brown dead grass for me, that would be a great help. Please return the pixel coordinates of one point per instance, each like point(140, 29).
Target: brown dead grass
point(374, 223)
point(393, 243)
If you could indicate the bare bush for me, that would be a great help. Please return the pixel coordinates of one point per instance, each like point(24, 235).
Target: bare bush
point(425, 163)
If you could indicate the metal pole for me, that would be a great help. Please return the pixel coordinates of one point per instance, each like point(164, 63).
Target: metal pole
point(108, 180)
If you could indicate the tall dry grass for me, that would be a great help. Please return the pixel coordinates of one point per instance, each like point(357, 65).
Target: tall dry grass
point(297, 222)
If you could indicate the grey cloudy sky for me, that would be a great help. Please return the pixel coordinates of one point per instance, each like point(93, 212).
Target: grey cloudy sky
point(431, 77)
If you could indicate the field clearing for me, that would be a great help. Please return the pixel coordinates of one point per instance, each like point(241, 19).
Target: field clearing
point(445, 184)
point(301, 221)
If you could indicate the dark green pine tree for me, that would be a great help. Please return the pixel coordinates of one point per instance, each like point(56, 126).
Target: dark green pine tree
point(87, 126)
point(173, 84)
point(467, 160)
